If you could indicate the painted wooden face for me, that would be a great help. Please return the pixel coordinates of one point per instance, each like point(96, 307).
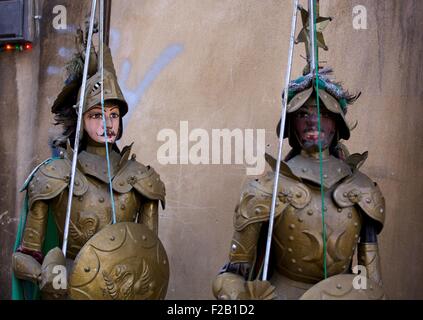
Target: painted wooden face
point(306, 126)
point(93, 123)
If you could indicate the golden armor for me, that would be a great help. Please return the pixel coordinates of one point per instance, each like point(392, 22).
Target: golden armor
point(124, 260)
point(137, 192)
point(297, 246)
point(325, 210)
point(139, 268)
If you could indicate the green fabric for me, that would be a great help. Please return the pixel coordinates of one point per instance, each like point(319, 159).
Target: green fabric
point(25, 290)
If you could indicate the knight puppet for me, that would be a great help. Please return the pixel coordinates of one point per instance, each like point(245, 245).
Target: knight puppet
point(113, 250)
point(326, 209)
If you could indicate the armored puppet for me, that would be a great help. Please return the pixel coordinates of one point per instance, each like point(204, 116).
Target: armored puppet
point(312, 245)
point(125, 260)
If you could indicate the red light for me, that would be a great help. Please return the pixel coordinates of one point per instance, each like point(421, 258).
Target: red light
point(28, 46)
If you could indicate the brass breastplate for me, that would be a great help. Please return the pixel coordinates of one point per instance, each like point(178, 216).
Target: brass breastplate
point(298, 239)
point(92, 211)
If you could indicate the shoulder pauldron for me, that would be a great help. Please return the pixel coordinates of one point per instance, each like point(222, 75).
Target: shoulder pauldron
point(144, 179)
point(256, 199)
point(360, 190)
point(51, 178)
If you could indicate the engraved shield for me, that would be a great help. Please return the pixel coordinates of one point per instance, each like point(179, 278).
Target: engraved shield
point(123, 261)
point(340, 287)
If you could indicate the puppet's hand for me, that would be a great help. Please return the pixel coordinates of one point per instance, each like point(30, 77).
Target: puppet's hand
point(229, 286)
point(26, 267)
point(53, 283)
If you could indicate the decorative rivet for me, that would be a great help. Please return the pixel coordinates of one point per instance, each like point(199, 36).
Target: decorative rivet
point(325, 209)
point(112, 238)
point(298, 194)
point(304, 169)
point(355, 224)
point(381, 210)
point(339, 209)
point(338, 286)
point(101, 200)
point(164, 261)
point(122, 206)
point(350, 215)
point(150, 184)
point(345, 194)
point(53, 168)
point(300, 270)
point(325, 176)
point(87, 269)
point(368, 200)
point(77, 183)
point(233, 247)
point(339, 170)
point(291, 238)
point(289, 249)
point(292, 226)
point(144, 237)
point(47, 186)
point(300, 219)
point(121, 183)
point(356, 236)
point(293, 261)
point(310, 212)
point(257, 211)
point(61, 154)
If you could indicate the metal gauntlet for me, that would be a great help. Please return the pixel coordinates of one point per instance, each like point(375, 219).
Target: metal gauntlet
point(150, 215)
point(35, 227)
point(368, 256)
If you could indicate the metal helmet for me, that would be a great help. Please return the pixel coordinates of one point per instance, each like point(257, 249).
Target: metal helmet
point(331, 94)
point(112, 91)
point(64, 106)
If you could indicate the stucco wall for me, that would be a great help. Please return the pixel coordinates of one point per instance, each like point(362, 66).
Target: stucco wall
point(220, 64)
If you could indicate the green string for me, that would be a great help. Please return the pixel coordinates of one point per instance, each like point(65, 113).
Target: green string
point(316, 67)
